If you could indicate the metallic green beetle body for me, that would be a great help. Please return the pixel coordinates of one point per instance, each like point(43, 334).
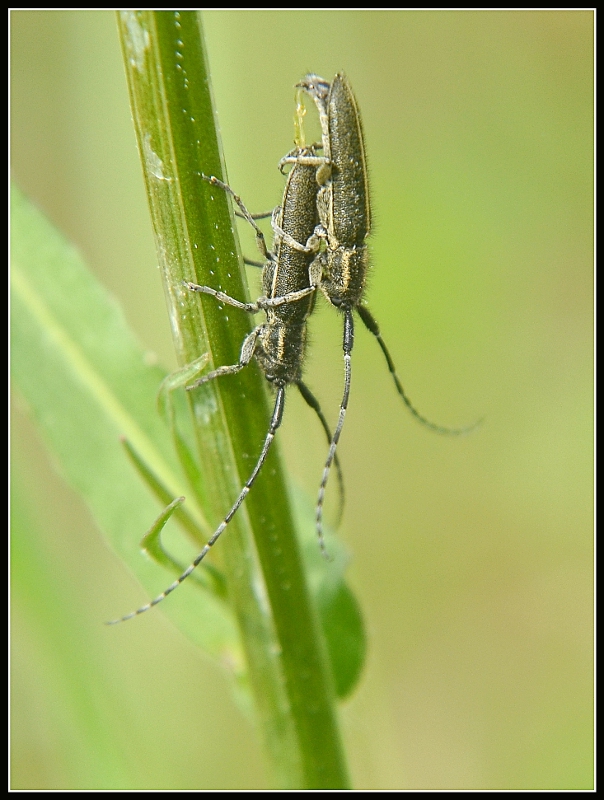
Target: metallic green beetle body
point(344, 209)
point(343, 198)
point(279, 343)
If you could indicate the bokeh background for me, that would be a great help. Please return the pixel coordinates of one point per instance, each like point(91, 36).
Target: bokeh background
point(471, 558)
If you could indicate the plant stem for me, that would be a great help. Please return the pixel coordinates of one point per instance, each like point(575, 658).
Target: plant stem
point(175, 127)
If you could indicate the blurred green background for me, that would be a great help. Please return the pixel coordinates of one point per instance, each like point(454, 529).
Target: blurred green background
point(472, 558)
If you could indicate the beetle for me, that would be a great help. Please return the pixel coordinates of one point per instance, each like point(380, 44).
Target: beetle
point(344, 210)
point(289, 281)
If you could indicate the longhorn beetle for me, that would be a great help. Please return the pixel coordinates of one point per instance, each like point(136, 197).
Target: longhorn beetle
point(290, 276)
point(344, 224)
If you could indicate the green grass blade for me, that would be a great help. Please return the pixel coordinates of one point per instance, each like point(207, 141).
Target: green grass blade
point(174, 122)
point(85, 380)
point(64, 661)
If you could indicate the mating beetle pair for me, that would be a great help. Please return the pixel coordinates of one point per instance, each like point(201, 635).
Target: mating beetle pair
point(320, 231)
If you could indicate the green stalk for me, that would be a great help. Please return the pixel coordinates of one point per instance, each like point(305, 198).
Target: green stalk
point(177, 138)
